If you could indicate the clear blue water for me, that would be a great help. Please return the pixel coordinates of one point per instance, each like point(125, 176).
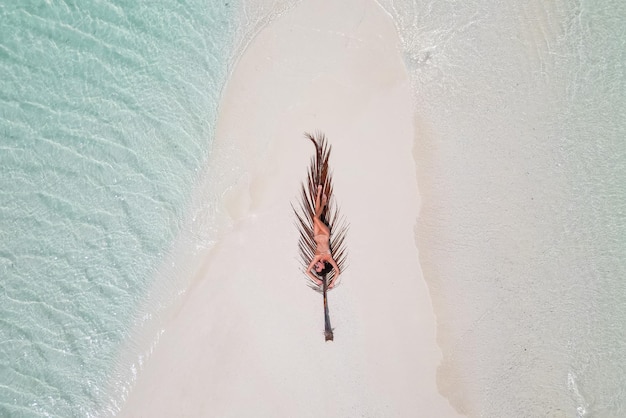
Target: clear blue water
point(107, 110)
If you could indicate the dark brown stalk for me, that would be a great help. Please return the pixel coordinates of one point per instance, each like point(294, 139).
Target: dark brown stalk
point(328, 330)
point(319, 173)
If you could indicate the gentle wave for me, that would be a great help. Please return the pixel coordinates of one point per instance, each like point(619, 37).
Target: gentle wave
point(521, 167)
point(108, 114)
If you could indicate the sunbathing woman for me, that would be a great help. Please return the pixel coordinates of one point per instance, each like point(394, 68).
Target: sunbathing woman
point(321, 234)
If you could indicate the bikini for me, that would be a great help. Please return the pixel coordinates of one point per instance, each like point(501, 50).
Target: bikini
point(326, 240)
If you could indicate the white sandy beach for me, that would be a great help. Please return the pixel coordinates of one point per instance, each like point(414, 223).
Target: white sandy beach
point(248, 339)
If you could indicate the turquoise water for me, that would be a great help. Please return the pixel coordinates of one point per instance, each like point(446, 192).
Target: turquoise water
point(107, 114)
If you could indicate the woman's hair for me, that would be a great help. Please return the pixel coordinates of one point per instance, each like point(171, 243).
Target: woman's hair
point(327, 269)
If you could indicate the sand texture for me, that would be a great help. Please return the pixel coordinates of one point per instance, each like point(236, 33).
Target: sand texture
point(247, 341)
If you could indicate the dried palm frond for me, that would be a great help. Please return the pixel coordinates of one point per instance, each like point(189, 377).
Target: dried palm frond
point(319, 173)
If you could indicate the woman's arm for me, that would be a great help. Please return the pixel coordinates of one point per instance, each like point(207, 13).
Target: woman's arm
point(310, 273)
point(336, 267)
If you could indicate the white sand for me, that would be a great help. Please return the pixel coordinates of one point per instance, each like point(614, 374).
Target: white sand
point(248, 339)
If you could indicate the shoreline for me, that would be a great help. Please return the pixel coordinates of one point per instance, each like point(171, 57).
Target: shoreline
point(246, 337)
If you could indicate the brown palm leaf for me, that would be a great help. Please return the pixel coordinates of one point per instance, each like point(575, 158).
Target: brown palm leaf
point(319, 173)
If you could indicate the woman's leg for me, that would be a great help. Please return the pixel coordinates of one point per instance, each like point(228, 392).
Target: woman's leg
point(319, 206)
point(319, 228)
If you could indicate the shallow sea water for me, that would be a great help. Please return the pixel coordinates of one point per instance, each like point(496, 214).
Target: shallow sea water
point(521, 163)
point(108, 110)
